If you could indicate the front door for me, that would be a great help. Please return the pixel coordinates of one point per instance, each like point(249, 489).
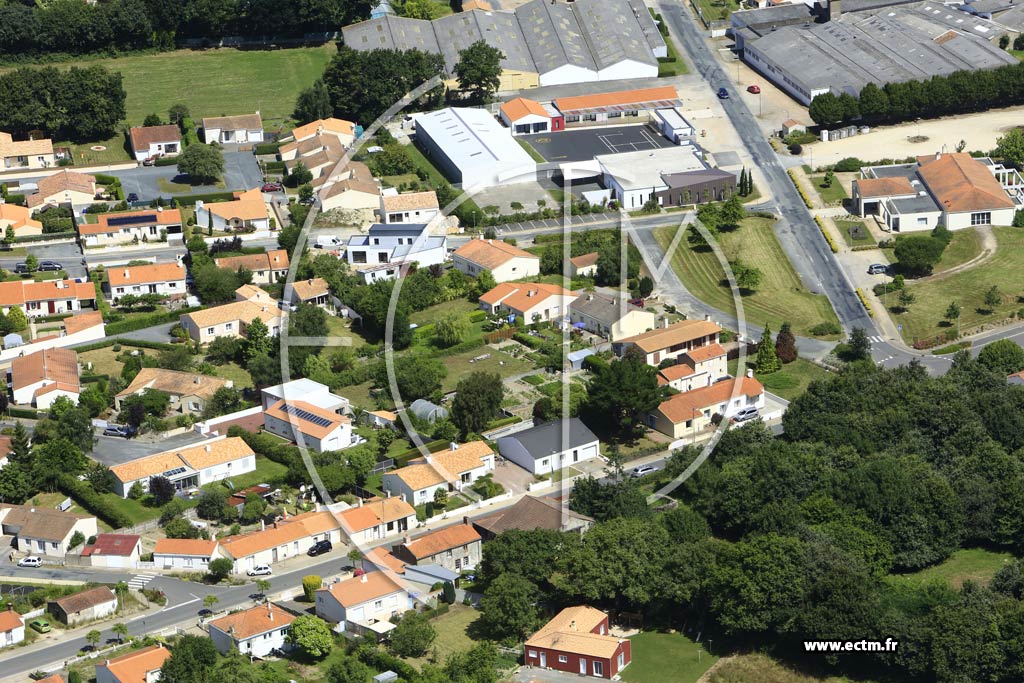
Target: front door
point(543, 659)
point(583, 667)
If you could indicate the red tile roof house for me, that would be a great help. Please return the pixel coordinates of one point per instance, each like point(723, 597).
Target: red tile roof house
point(12, 627)
point(577, 641)
point(140, 666)
point(47, 298)
point(114, 550)
point(166, 279)
point(253, 632)
point(39, 378)
point(155, 141)
point(363, 604)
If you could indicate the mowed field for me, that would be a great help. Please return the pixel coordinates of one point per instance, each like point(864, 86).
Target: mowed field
point(216, 82)
point(780, 297)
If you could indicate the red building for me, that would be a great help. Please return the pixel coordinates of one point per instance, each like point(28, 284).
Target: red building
point(577, 641)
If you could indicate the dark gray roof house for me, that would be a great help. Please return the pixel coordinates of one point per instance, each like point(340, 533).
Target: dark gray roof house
point(529, 514)
point(550, 446)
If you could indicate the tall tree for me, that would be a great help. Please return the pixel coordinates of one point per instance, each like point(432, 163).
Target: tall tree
point(202, 163)
point(620, 394)
point(479, 70)
point(313, 103)
point(192, 660)
point(477, 400)
point(785, 344)
point(1003, 356)
point(509, 608)
point(767, 360)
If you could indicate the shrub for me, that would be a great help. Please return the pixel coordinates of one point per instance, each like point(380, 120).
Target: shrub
point(83, 494)
point(310, 585)
point(825, 329)
point(848, 164)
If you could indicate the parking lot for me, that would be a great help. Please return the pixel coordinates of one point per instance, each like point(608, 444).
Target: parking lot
point(584, 144)
point(241, 172)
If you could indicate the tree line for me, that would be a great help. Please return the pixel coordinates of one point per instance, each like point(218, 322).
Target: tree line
point(960, 92)
point(78, 104)
point(29, 29)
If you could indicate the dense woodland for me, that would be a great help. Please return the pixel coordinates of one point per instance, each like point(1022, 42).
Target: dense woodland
point(778, 540)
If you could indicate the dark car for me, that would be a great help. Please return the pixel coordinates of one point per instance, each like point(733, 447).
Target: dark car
point(118, 430)
point(21, 268)
point(271, 187)
point(319, 548)
point(723, 94)
point(132, 197)
point(50, 266)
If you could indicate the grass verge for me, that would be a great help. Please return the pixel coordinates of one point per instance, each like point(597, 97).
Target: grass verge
point(666, 657)
point(970, 564)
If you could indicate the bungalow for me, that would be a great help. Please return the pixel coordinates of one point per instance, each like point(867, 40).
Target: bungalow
point(231, 320)
point(670, 341)
point(611, 317)
point(187, 468)
point(531, 302)
point(307, 390)
point(138, 666)
point(344, 131)
point(155, 141)
point(353, 188)
point(447, 470)
point(25, 154)
point(584, 265)
point(130, 227)
point(88, 605)
point(689, 413)
point(247, 212)
point(381, 419)
point(550, 446)
point(266, 268)
point(39, 378)
point(19, 219)
point(12, 627)
point(377, 518)
point(64, 188)
point(530, 513)
point(42, 531)
point(115, 551)
point(525, 117)
point(233, 129)
point(313, 291)
point(577, 641)
point(46, 298)
point(320, 154)
point(321, 429)
point(253, 632)
point(166, 279)
point(504, 261)
point(184, 553)
point(289, 537)
point(189, 392)
point(455, 548)
point(698, 367)
point(363, 604)
point(411, 207)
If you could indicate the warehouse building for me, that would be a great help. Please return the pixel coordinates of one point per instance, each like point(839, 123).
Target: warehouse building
point(544, 42)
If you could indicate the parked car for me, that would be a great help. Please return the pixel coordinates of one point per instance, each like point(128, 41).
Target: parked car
point(118, 430)
point(641, 470)
point(286, 306)
point(132, 197)
point(149, 161)
point(319, 548)
point(744, 414)
point(30, 561)
point(723, 94)
point(877, 269)
point(271, 187)
point(41, 625)
point(21, 268)
point(51, 266)
point(260, 570)
point(755, 89)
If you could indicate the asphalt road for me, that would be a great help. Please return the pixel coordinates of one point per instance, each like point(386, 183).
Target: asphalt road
point(241, 172)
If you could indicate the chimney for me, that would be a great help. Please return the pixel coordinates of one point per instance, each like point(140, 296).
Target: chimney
point(196, 380)
point(453, 446)
point(938, 155)
point(126, 273)
point(360, 502)
point(270, 611)
point(707, 317)
point(362, 579)
point(406, 540)
point(572, 625)
point(750, 372)
point(263, 525)
point(208, 448)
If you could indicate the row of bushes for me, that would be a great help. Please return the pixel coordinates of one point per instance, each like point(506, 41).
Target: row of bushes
point(267, 148)
point(90, 379)
point(803, 195)
point(405, 456)
point(503, 422)
point(139, 343)
point(27, 413)
point(269, 447)
point(278, 166)
point(529, 340)
point(46, 237)
point(143, 321)
point(864, 302)
point(166, 161)
point(83, 494)
point(191, 199)
point(828, 238)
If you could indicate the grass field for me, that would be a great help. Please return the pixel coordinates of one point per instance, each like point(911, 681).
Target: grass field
point(452, 633)
point(716, 9)
point(757, 668)
point(865, 235)
point(829, 195)
point(972, 564)
point(500, 362)
point(780, 298)
point(968, 287)
point(965, 245)
point(791, 381)
point(666, 657)
point(673, 68)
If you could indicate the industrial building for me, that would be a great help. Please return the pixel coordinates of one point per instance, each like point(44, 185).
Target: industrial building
point(673, 176)
point(544, 42)
point(809, 50)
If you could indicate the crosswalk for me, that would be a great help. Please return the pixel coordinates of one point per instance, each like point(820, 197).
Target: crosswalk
point(875, 340)
point(139, 581)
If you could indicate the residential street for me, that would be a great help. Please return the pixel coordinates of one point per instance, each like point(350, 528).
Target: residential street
point(241, 172)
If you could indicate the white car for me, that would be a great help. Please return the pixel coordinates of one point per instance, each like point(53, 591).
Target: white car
point(641, 470)
point(30, 561)
point(260, 570)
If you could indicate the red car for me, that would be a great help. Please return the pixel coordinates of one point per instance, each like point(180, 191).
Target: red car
point(271, 187)
point(755, 89)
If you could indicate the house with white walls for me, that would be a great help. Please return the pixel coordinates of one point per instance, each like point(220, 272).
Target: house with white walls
point(187, 468)
point(253, 632)
point(363, 604)
point(165, 279)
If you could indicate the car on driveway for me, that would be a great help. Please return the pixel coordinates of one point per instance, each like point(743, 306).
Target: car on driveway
point(40, 625)
point(754, 89)
point(260, 570)
point(118, 430)
point(132, 197)
point(723, 94)
point(641, 470)
point(271, 187)
point(319, 548)
point(744, 414)
point(30, 561)
point(878, 269)
point(149, 161)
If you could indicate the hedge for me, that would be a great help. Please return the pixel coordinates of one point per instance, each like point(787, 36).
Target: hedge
point(140, 343)
point(864, 301)
point(828, 238)
point(267, 148)
point(88, 379)
point(477, 316)
point(275, 166)
point(83, 494)
point(26, 413)
point(807, 201)
point(535, 343)
point(15, 198)
point(143, 321)
point(380, 660)
point(166, 161)
point(48, 236)
point(503, 422)
point(191, 199)
point(432, 447)
point(269, 447)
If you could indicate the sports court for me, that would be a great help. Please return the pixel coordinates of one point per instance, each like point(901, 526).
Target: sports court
point(583, 144)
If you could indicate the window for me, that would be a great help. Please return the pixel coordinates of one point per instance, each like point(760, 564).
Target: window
point(981, 218)
point(209, 330)
point(562, 659)
point(531, 653)
point(378, 604)
point(229, 326)
point(590, 117)
point(922, 221)
point(598, 668)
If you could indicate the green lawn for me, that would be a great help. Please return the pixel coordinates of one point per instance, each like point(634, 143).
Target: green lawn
point(972, 564)
point(965, 245)
point(661, 657)
point(829, 195)
point(864, 237)
point(500, 362)
point(534, 154)
point(673, 68)
point(236, 373)
point(434, 313)
point(758, 668)
point(925, 317)
point(780, 297)
point(266, 470)
point(713, 9)
point(452, 633)
point(789, 382)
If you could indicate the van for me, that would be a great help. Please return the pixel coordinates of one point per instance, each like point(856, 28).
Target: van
point(327, 241)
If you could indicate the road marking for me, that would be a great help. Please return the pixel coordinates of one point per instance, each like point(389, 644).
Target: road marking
point(139, 581)
point(876, 340)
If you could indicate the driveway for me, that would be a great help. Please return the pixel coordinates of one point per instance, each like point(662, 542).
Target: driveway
point(534, 675)
point(114, 450)
point(241, 172)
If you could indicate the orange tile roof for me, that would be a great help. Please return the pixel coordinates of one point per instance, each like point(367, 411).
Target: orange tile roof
point(19, 217)
point(571, 631)
point(253, 293)
point(521, 107)
point(276, 259)
point(287, 530)
point(55, 678)
point(310, 289)
point(688, 405)
point(175, 383)
point(616, 99)
point(102, 225)
point(63, 181)
point(361, 589)
point(11, 148)
point(19, 292)
point(200, 456)
point(521, 297)
point(10, 620)
point(56, 365)
point(154, 272)
point(385, 415)
point(410, 201)
point(452, 463)
point(332, 125)
point(133, 667)
point(962, 183)
point(418, 477)
point(468, 5)
point(82, 321)
point(374, 512)
point(676, 333)
point(869, 188)
point(382, 559)
point(490, 254)
point(674, 372)
point(144, 136)
point(585, 260)
point(438, 541)
point(246, 206)
point(196, 547)
point(317, 431)
point(706, 352)
point(238, 311)
point(253, 621)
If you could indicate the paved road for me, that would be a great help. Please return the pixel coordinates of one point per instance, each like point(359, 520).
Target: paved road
point(241, 172)
point(68, 255)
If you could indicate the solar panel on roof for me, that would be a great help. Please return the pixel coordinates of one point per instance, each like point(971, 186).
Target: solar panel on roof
point(306, 415)
point(176, 470)
point(129, 220)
